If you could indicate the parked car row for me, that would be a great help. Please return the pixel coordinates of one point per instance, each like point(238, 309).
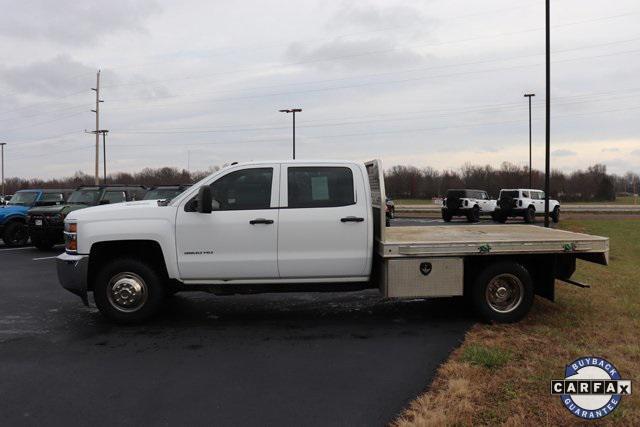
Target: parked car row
point(38, 214)
point(511, 203)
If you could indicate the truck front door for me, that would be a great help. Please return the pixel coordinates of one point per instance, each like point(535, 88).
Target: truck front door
point(238, 240)
point(324, 222)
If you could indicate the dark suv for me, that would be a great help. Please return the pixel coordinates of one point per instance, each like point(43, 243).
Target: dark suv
point(13, 215)
point(46, 224)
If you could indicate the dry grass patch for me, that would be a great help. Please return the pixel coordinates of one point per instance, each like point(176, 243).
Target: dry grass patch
point(501, 374)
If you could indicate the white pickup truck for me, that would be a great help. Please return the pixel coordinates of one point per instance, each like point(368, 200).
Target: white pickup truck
point(305, 226)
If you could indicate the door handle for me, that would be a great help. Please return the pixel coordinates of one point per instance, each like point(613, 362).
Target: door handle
point(261, 221)
point(351, 219)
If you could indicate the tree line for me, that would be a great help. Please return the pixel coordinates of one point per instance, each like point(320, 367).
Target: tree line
point(406, 182)
point(592, 184)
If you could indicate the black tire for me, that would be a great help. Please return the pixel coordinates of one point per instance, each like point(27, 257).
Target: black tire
point(506, 275)
point(15, 234)
point(446, 216)
point(474, 214)
point(530, 215)
point(498, 217)
point(125, 271)
point(555, 215)
point(42, 244)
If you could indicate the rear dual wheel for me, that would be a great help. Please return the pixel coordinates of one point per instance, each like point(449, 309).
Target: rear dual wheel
point(502, 292)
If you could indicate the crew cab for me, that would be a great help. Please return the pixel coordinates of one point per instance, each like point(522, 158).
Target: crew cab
point(309, 226)
point(13, 215)
point(468, 203)
point(525, 203)
point(46, 223)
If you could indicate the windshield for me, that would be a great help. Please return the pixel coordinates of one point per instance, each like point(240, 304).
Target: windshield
point(162, 193)
point(509, 193)
point(86, 196)
point(24, 198)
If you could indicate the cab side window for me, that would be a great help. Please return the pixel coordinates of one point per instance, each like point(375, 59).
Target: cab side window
point(525, 194)
point(244, 189)
point(320, 187)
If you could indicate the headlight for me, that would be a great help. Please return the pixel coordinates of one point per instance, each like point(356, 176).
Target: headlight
point(56, 219)
point(71, 237)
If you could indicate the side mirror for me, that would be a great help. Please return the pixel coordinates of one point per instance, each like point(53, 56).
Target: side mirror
point(103, 202)
point(204, 199)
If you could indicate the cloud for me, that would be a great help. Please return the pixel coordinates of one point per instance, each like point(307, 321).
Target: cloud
point(73, 22)
point(564, 153)
point(379, 45)
point(51, 77)
point(349, 55)
point(611, 150)
point(635, 153)
point(375, 17)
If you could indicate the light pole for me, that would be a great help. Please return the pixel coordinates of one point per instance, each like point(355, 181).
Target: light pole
point(2, 144)
point(293, 111)
point(547, 161)
point(529, 95)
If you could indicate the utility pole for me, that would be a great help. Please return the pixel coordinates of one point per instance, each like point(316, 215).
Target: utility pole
point(529, 95)
point(97, 131)
point(294, 111)
point(547, 160)
point(104, 133)
point(2, 144)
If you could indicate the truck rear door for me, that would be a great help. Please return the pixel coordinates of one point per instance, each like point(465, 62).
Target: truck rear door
point(324, 221)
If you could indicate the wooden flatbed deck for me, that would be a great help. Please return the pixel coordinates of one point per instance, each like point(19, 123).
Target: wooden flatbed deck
point(487, 239)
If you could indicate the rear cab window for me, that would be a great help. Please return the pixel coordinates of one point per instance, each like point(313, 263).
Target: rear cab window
point(319, 186)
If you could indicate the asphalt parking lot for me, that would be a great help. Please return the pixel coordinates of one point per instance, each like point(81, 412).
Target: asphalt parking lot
point(340, 359)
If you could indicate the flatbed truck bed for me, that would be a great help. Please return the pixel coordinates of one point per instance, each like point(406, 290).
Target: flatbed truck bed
point(467, 240)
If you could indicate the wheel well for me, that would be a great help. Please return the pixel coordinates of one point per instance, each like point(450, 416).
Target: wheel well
point(543, 269)
point(144, 250)
point(14, 219)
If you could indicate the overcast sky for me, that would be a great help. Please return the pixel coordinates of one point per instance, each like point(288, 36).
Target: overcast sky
point(430, 83)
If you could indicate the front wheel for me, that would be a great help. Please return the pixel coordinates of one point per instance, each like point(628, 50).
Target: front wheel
point(128, 290)
point(42, 244)
point(503, 292)
point(15, 234)
point(555, 215)
point(446, 216)
point(530, 215)
point(474, 214)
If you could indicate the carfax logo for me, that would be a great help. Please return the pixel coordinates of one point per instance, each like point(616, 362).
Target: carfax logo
point(591, 388)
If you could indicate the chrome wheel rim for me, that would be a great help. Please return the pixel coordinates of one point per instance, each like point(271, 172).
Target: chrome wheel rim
point(127, 292)
point(504, 293)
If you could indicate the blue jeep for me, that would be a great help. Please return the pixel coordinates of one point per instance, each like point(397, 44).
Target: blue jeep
point(13, 227)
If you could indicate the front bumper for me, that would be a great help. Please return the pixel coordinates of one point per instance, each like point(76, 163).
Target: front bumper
point(72, 274)
point(53, 233)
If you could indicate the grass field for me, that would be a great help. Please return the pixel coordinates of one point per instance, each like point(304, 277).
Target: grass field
point(627, 200)
point(501, 374)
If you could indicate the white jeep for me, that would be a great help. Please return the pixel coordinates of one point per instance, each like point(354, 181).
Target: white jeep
point(469, 203)
point(526, 203)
